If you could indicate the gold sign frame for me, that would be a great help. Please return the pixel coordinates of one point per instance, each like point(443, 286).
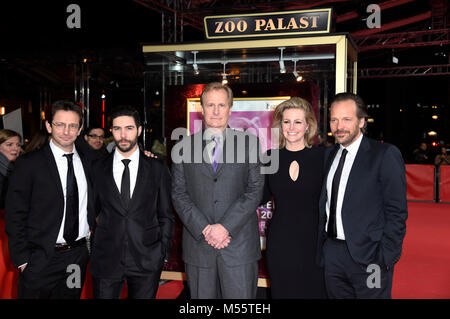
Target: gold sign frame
point(299, 22)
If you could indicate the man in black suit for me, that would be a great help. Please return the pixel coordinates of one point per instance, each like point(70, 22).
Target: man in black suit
point(363, 207)
point(135, 221)
point(48, 221)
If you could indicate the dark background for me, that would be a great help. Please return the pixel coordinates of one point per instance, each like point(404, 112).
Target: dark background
point(38, 51)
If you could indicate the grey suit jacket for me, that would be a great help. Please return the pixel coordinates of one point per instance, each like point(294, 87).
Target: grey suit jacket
point(228, 197)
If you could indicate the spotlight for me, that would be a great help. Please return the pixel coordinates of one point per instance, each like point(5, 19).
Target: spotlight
point(394, 58)
point(224, 75)
point(297, 76)
point(224, 80)
point(282, 67)
point(195, 65)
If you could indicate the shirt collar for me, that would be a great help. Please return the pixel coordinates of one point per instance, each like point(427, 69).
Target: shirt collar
point(353, 148)
point(59, 153)
point(134, 157)
point(209, 137)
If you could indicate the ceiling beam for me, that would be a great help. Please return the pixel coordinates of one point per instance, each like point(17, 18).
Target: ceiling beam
point(383, 6)
point(393, 25)
point(405, 71)
point(403, 40)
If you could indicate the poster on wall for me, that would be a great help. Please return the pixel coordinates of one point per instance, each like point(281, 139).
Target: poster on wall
point(254, 115)
point(13, 121)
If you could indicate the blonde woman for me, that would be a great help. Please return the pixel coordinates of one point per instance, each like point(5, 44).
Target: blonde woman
point(295, 189)
point(9, 151)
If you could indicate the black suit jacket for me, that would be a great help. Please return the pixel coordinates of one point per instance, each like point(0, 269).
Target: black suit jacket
point(35, 208)
point(374, 209)
point(148, 223)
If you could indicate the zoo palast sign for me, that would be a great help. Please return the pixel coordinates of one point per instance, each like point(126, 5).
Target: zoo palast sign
point(268, 24)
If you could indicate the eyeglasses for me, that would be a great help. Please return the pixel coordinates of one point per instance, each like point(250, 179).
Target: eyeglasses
point(62, 126)
point(100, 137)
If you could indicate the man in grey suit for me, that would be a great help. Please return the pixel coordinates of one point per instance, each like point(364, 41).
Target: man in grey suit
point(216, 188)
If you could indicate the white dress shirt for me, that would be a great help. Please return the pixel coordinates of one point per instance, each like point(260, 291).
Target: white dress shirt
point(349, 159)
point(62, 165)
point(119, 167)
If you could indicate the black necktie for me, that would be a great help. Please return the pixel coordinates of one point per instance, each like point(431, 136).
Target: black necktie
point(332, 230)
point(125, 187)
point(71, 221)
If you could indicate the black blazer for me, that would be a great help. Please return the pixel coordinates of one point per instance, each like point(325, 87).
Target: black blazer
point(148, 223)
point(35, 208)
point(374, 209)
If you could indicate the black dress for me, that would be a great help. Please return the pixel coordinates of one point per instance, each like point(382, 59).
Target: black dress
point(292, 231)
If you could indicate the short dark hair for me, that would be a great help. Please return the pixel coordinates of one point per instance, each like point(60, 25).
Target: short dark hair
point(89, 129)
point(361, 107)
point(126, 110)
point(62, 105)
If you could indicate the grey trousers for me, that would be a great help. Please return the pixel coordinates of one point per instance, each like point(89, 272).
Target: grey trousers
point(222, 281)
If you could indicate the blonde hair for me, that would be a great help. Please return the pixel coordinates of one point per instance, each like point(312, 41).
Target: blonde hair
point(217, 86)
point(296, 103)
point(6, 134)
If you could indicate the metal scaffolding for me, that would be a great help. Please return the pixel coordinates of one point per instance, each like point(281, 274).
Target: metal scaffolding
point(405, 71)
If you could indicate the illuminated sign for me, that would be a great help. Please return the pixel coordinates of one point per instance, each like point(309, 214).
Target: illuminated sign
point(299, 22)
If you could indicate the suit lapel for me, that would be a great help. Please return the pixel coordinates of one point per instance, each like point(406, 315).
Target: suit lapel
point(354, 175)
point(110, 183)
point(87, 174)
point(53, 169)
point(329, 161)
point(228, 136)
point(223, 156)
point(143, 169)
point(86, 166)
point(205, 166)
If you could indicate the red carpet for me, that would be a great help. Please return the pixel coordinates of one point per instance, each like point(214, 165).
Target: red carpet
point(423, 271)
point(170, 290)
point(424, 268)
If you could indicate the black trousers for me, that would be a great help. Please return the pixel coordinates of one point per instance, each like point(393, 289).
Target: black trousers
point(62, 278)
point(347, 279)
point(140, 285)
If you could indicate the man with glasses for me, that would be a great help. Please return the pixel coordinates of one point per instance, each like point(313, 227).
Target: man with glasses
point(48, 221)
point(95, 136)
point(93, 143)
